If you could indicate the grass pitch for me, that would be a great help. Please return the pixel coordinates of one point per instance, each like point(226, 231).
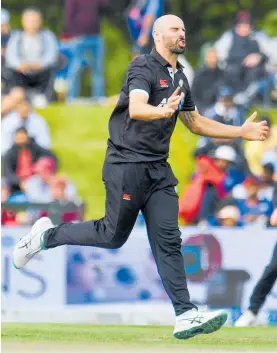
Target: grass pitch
point(106, 338)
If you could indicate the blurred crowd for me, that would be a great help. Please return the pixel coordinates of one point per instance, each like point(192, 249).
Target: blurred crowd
point(233, 184)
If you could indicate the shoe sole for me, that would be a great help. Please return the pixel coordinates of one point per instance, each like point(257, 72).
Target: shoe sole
point(210, 326)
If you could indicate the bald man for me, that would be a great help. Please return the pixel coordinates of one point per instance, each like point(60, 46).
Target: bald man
point(138, 177)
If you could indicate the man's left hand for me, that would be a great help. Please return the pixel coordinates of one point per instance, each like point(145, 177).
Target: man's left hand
point(252, 60)
point(253, 131)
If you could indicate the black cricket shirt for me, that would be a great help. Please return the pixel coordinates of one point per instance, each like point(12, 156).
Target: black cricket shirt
point(146, 141)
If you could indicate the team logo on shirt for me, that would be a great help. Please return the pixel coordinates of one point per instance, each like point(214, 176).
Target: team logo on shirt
point(163, 83)
point(126, 197)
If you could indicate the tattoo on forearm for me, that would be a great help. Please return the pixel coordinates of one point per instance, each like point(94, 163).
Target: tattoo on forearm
point(189, 117)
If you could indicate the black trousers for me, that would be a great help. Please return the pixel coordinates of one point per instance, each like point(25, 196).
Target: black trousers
point(42, 81)
point(265, 284)
point(131, 187)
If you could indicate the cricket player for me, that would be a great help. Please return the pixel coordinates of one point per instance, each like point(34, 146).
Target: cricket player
point(265, 283)
point(138, 177)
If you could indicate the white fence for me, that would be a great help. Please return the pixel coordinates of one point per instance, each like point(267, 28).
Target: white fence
point(84, 284)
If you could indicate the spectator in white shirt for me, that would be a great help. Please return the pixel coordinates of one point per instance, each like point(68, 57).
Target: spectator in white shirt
point(24, 116)
point(44, 184)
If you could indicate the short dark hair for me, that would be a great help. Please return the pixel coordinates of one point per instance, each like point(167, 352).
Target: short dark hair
point(269, 167)
point(22, 129)
point(32, 9)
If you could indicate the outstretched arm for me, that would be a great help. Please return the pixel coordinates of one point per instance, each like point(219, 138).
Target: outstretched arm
point(201, 125)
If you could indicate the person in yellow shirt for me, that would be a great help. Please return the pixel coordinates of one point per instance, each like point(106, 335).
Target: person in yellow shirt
point(254, 151)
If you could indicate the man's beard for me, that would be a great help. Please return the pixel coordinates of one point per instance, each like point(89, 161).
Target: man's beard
point(177, 50)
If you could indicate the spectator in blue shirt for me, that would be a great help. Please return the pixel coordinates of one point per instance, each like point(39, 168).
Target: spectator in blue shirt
point(141, 15)
point(252, 209)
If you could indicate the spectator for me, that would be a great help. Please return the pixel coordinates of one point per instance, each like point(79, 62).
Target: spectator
point(83, 26)
point(11, 100)
point(19, 159)
point(5, 36)
point(5, 30)
point(141, 15)
point(266, 189)
point(24, 116)
point(238, 48)
point(224, 111)
point(33, 69)
point(45, 186)
point(255, 151)
point(228, 216)
point(213, 180)
point(252, 208)
point(206, 82)
point(267, 182)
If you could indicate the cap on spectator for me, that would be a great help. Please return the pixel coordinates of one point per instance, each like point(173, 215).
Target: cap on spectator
point(5, 17)
point(243, 17)
point(226, 153)
point(44, 164)
point(252, 180)
point(229, 212)
point(226, 92)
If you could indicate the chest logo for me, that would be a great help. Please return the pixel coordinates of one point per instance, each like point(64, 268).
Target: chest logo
point(181, 83)
point(163, 83)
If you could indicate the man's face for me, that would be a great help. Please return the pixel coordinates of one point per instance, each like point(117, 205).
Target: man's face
point(21, 139)
point(5, 29)
point(267, 176)
point(252, 190)
point(211, 58)
point(31, 22)
point(222, 164)
point(243, 29)
point(173, 36)
point(228, 102)
point(228, 222)
point(23, 109)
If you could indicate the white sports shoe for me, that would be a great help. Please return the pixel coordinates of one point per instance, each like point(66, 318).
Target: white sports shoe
point(247, 319)
point(32, 243)
point(194, 322)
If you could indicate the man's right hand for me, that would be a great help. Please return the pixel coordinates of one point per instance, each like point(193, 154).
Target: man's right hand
point(22, 67)
point(175, 99)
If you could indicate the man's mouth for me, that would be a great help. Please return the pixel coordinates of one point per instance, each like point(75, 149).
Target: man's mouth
point(182, 43)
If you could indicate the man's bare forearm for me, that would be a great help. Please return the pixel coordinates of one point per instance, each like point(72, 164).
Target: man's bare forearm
point(144, 111)
point(200, 125)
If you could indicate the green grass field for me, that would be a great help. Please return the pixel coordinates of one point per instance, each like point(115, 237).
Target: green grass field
point(143, 338)
point(80, 134)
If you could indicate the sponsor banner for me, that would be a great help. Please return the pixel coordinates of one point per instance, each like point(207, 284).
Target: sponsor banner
point(41, 284)
point(222, 267)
